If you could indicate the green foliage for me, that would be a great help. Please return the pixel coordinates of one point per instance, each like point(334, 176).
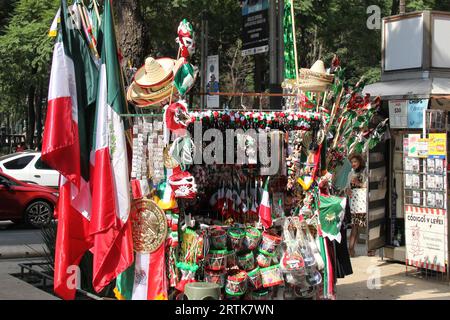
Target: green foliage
point(25, 51)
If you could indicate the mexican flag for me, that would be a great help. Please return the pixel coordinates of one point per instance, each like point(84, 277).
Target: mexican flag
point(264, 210)
point(66, 144)
point(146, 279)
point(110, 226)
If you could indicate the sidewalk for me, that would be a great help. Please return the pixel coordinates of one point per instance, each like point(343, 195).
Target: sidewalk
point(394, 283)
point(12, 288)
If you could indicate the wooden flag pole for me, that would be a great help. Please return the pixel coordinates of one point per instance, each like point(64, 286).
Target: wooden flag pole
point(97, 12)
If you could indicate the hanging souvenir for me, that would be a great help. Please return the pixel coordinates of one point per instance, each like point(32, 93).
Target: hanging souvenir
point(186, 38)
point(176, 117)
point(185, 77)
point(182, 151)
point(183, 185)
point(156, 152)
point(149, 226)
point(331, 215)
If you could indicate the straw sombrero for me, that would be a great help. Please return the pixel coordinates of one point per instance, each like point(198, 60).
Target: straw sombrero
point(155, 72)
point(145, 97)
point(316, 78)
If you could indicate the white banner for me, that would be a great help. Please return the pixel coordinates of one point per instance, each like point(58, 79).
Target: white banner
point(212, 81)
point(426, 237)
point(398, 114)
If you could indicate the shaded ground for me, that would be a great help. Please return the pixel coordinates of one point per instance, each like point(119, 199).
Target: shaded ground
point(393, 283)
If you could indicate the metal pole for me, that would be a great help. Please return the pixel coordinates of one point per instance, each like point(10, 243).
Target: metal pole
point(206, 54)
point(202, 61)
point(272, 49)
point(280, 41)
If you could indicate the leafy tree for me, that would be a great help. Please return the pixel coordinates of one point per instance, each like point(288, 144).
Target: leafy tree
point(25, 51)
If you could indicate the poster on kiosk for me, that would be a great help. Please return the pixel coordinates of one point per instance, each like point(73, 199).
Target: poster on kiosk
point(426, 219)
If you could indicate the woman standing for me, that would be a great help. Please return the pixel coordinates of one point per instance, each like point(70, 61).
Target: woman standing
point(357, 192)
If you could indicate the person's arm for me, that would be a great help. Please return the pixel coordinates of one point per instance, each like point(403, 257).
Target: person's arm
point(348, 189)
point(365, 178)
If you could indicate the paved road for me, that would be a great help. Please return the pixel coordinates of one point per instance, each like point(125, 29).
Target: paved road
point(19, 241)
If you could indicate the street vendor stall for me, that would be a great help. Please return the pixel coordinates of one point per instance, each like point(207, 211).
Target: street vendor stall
point(177, 202)
point(241, 204)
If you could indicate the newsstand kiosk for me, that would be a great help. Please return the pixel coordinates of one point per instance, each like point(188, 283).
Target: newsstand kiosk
point(408, 194)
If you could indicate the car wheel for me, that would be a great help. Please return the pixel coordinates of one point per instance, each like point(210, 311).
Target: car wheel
point(39, 214)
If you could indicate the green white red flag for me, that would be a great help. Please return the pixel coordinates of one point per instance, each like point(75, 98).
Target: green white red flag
point(265, 210)
point(110, 226)
point(65, 147)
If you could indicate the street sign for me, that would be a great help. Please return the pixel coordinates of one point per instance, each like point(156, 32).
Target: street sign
point(255, 27)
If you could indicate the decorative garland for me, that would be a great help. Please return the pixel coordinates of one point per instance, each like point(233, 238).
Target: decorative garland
point(281, 120)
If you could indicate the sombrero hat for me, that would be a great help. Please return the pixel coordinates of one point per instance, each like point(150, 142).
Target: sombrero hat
point(316, 78)
point(145, 97)
point(155, 72)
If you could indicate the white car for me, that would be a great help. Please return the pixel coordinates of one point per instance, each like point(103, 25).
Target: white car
point(27, 166)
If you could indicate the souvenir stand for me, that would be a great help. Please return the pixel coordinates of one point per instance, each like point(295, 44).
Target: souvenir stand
point(202, 216)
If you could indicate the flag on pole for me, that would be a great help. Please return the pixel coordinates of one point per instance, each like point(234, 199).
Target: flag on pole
point(289, 54)
point(65, 147)
point(110, 226)
point(264, 210)
point(53, 32)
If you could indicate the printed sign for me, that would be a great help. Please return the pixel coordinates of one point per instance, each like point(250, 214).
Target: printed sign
point(255, 27)
point(437, 145)
point(398, 114)
point(412, 145)
point(415, 113)
point(212, 82)
point(422, 148)
point(426, 237)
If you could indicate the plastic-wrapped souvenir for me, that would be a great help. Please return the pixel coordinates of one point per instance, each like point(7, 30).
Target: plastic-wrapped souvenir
point(236, 283)
point(254, 278)
point(272, 276)
point(231, 259)
point(216, 260)
point(219, 238)
point(252, 238)
point(246, 261)
point(236, 237)
point(218, 277)
point(187, 274)
point(292, 260)
point(264, 259)
point(269, 242)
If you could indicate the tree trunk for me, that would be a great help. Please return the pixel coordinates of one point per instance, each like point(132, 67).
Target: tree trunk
point(130, 31)
point(402, 6)
point(31, 116)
